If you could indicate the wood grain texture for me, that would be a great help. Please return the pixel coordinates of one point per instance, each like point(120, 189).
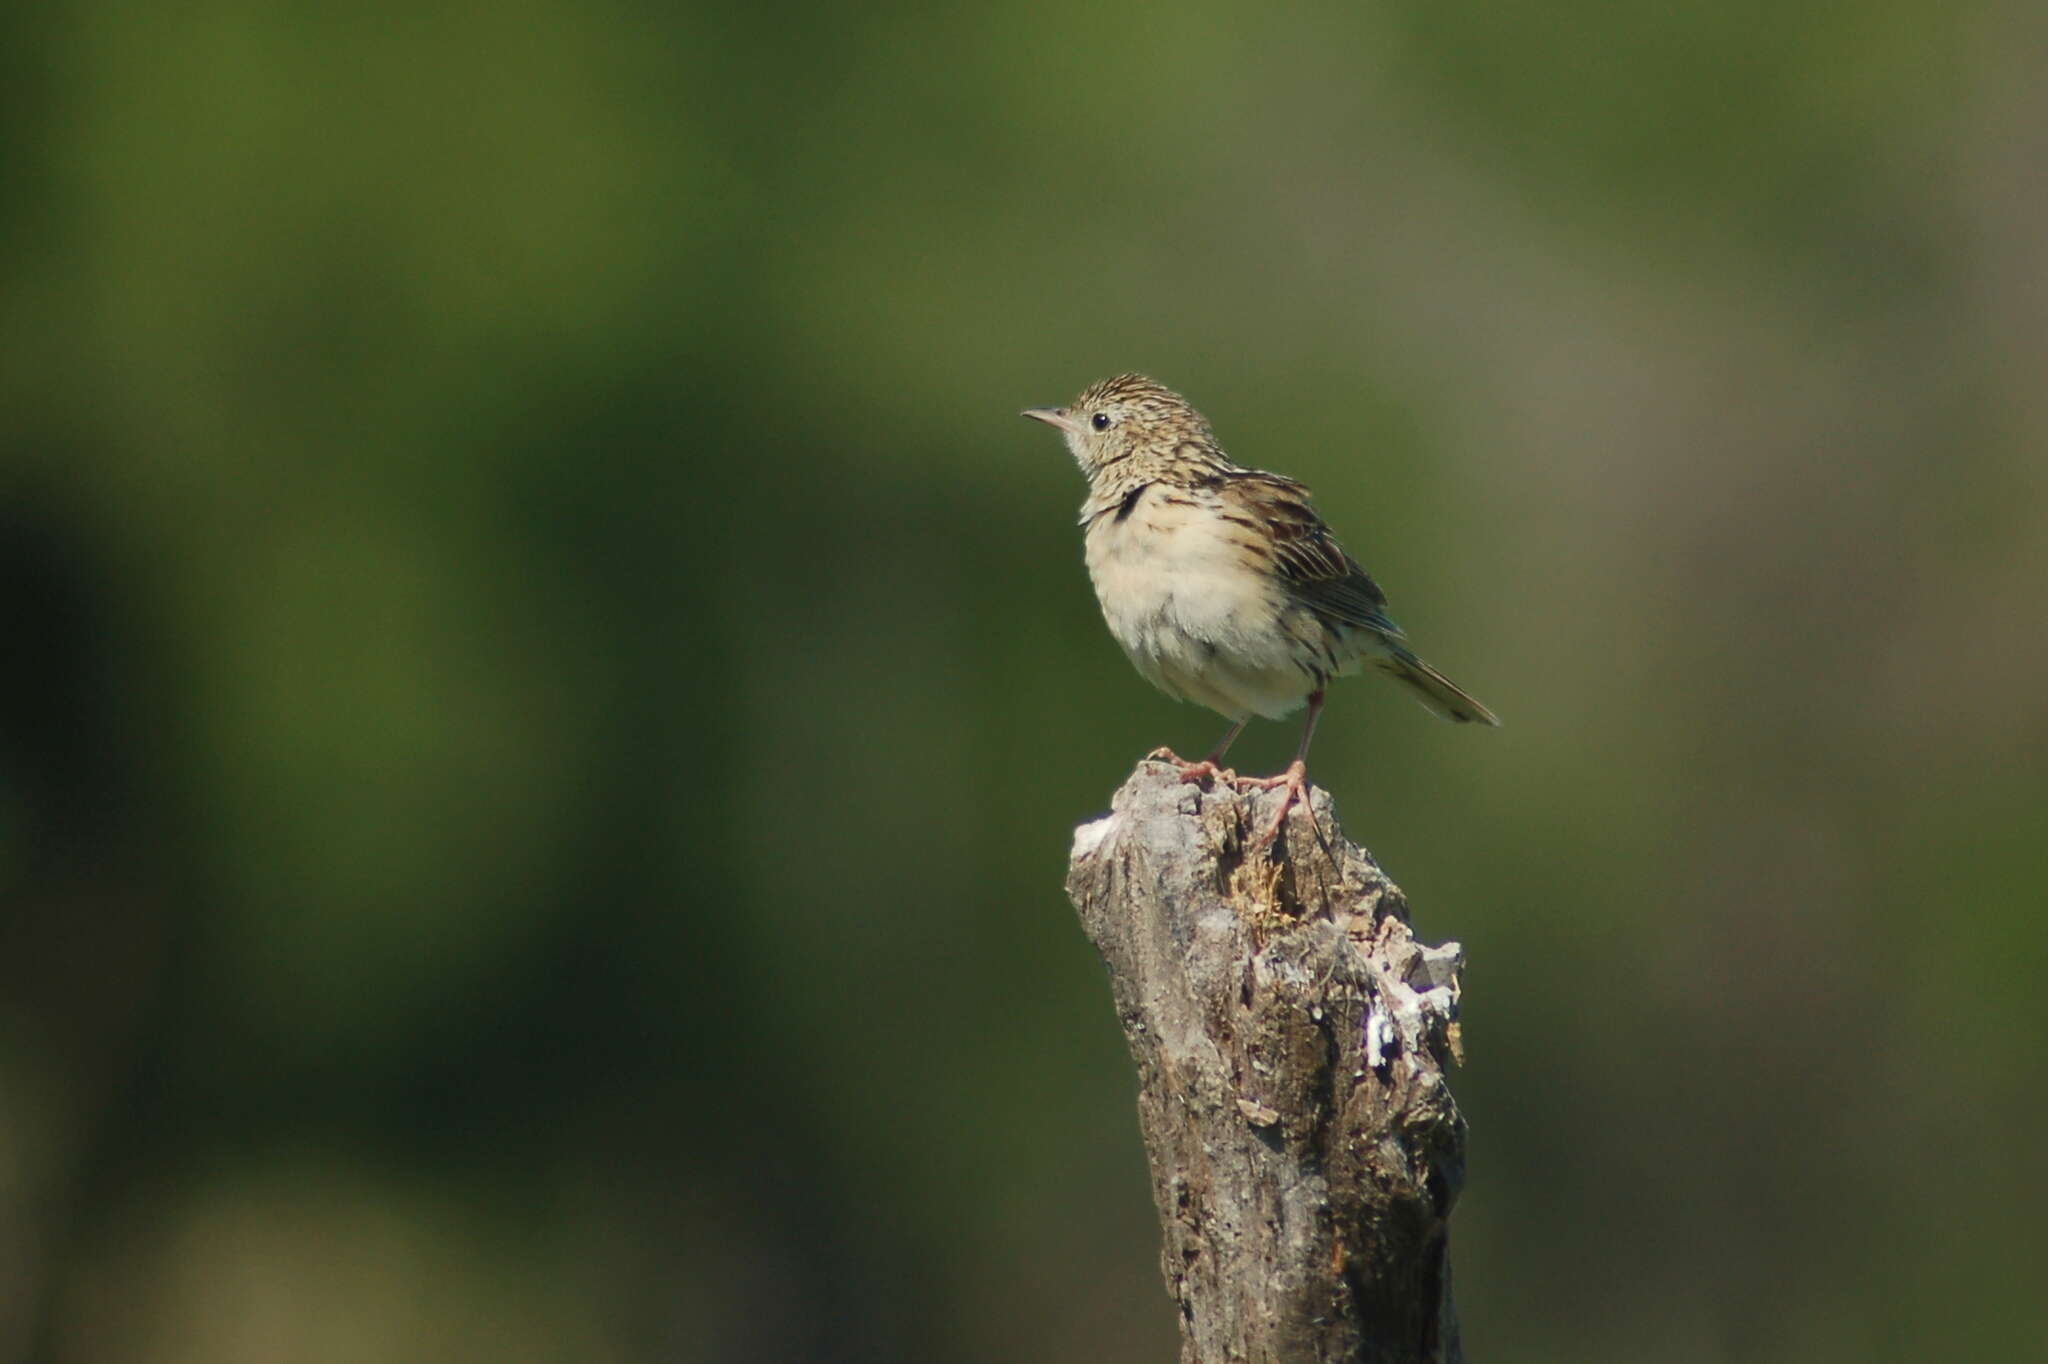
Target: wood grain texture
point(1291, 1038)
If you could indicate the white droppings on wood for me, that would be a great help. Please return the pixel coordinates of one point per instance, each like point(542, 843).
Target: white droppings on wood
point(1089, 836)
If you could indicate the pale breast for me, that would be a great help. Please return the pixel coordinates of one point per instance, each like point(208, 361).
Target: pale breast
point(1191, 597)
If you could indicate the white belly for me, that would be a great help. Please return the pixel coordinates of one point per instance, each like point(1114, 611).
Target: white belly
point(1199, 614)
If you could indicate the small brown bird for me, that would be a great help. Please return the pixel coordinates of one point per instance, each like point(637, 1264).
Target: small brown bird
point(1221, 582)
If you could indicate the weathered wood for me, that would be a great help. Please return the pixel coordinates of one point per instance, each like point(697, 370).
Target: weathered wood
point(1291, 1038)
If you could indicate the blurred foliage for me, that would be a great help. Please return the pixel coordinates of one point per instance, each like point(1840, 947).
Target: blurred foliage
point(549, 689)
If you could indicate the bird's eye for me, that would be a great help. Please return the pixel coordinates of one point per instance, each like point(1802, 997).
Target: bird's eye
point(1101, 421)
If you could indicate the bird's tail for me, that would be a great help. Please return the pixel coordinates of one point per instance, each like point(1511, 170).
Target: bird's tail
point(1441, 695)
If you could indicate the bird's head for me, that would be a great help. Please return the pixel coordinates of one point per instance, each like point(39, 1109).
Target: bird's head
point(1125, 416)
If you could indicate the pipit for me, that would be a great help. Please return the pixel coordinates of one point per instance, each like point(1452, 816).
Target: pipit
point(1221, 582)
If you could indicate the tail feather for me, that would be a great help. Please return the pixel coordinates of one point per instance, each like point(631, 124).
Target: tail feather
point(1435, 691)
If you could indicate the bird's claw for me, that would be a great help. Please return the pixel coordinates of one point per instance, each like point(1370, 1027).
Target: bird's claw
point(1294, 781)
point(1195, 772)
point(1207, 770)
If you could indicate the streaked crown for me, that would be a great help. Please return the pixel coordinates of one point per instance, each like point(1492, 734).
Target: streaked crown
point(1123, 416)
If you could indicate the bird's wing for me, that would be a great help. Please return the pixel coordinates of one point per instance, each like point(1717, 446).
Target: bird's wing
point(1306, 554)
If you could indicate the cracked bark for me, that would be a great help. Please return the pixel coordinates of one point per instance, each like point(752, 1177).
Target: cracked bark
point(1291, 1038)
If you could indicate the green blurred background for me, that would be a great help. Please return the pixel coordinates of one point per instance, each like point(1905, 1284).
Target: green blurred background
point(548, 689)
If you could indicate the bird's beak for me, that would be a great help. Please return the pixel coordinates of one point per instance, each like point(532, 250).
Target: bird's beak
point(1053, 416)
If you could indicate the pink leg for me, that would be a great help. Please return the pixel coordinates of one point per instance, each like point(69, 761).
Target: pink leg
point(1294, 779)
point(1208, 767)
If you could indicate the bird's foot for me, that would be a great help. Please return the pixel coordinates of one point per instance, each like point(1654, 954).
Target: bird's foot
point(1196, 772)
point(1207, 770)
point(1294, 781)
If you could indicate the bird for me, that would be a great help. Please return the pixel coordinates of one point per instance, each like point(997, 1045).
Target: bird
point(1221, 582)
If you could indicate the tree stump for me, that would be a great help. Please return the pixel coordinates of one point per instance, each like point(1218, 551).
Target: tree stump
point(1291, 1038)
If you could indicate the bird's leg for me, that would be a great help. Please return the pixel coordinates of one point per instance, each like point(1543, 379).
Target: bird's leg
point(1208, 767)
point(1294, 780)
